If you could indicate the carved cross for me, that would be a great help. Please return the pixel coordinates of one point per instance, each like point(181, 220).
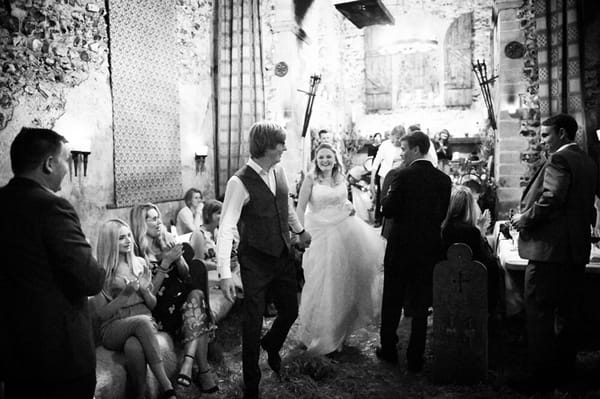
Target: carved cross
point(460, 281)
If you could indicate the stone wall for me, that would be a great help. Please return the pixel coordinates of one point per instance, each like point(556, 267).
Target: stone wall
point(326, 44)
point(459, 121)
point(54, 57)
point(511, 82)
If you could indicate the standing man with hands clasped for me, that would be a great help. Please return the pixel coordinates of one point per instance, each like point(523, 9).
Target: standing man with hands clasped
point(47, 273)
point(256, 200)
point(554, 235)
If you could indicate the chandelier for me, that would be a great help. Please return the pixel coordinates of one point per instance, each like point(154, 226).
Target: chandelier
point(414, 31)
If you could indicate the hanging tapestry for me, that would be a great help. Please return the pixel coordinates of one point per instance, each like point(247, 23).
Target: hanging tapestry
point(241, 88)
point(147, 152)
point(559, 63)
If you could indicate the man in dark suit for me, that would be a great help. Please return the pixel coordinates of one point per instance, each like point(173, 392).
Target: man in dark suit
point(557, 212)
point(417, 201)
point(46, 274)
point(256, 200)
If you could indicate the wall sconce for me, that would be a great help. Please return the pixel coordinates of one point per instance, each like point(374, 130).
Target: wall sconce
point(524, 109)
point(80, 157)
point(200, 157)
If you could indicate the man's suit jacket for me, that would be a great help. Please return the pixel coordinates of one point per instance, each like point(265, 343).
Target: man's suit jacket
point(47, 272)
point(386, 226)
point(417, 201)
point(557, 209)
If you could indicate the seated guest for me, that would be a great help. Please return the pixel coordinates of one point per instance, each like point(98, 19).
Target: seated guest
point(211, 216)
point(483, 218)
point(181, 308)
point(189, 217)
point(125, 305)
point(460, 225)
point(196, 263)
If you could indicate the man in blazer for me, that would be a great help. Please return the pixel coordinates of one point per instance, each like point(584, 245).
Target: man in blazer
point(46, 274)
point(557, 214)
point(417, 201)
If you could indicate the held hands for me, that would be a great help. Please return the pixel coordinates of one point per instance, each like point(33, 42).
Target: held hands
point(304, 239)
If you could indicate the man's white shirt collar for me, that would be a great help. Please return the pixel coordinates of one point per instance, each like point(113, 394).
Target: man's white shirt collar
point(257, 168)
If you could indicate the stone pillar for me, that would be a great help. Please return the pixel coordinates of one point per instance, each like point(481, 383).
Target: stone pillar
point(509, 142)
point(285, 103)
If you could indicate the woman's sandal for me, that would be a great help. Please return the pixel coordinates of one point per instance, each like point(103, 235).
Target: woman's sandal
point(183, 379)
point(207, 380)
point(169, 394)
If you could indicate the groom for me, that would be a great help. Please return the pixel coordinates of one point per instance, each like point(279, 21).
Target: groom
point(417, 201)
point(256, 202)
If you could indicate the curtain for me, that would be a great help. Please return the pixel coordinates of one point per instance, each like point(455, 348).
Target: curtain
point(240, 84)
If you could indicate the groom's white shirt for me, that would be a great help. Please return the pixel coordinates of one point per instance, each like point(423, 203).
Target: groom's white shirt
point(236, 196)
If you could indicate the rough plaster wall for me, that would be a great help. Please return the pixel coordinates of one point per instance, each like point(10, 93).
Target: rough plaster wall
point(335, 49)
point(458, 121)
point(81, 104)
point(194, 33)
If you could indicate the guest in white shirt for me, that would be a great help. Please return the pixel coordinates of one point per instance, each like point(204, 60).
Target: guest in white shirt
point(382, 164)
point(189, 217)
point(257, 202)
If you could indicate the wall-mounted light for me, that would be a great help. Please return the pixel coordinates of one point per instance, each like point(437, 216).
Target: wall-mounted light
point(518, 109)
point(80, 157)
point(200, 157)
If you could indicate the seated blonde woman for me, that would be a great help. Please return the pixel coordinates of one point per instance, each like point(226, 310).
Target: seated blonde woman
point(181, 308)
point(189, 218)
point(125, 307)
point(460, 225)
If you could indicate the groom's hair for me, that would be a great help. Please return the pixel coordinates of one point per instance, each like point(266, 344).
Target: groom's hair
point(264, 135)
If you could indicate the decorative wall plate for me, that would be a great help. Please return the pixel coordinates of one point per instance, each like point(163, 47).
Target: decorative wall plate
point(514, 50)
point(281, 69)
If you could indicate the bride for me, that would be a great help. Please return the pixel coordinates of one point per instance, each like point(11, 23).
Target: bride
point(342, 267)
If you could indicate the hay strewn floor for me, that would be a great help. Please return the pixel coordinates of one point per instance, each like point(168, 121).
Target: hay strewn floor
point(357, 373)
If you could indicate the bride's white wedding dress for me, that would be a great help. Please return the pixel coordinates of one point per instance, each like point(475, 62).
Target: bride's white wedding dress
point(342, 269)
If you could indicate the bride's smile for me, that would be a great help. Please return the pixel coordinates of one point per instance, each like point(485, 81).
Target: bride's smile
point(325, 159)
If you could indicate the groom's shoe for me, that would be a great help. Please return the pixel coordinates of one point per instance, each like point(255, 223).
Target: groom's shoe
point(273, 358)
point(388, 356)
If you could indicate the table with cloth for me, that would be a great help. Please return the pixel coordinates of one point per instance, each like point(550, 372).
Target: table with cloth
point(513, 267)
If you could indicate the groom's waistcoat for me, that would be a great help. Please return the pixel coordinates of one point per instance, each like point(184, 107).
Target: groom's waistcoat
point(263, 223)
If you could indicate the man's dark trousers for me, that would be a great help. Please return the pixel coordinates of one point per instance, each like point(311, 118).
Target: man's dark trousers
point(394, 300)
point(262, 273)
point(552, 300)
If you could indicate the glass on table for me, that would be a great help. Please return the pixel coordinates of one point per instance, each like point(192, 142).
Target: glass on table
point(514, 233)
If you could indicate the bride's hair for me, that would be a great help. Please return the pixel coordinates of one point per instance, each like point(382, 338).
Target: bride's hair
point(337, 173)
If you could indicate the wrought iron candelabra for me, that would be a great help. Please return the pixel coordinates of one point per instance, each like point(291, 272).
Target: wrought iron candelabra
point(484, 81)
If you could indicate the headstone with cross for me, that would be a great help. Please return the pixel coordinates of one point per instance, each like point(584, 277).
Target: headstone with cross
point(460, 317)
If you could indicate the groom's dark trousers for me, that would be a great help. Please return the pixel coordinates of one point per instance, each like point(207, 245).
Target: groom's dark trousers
point(262, 273)
point(417, 202)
